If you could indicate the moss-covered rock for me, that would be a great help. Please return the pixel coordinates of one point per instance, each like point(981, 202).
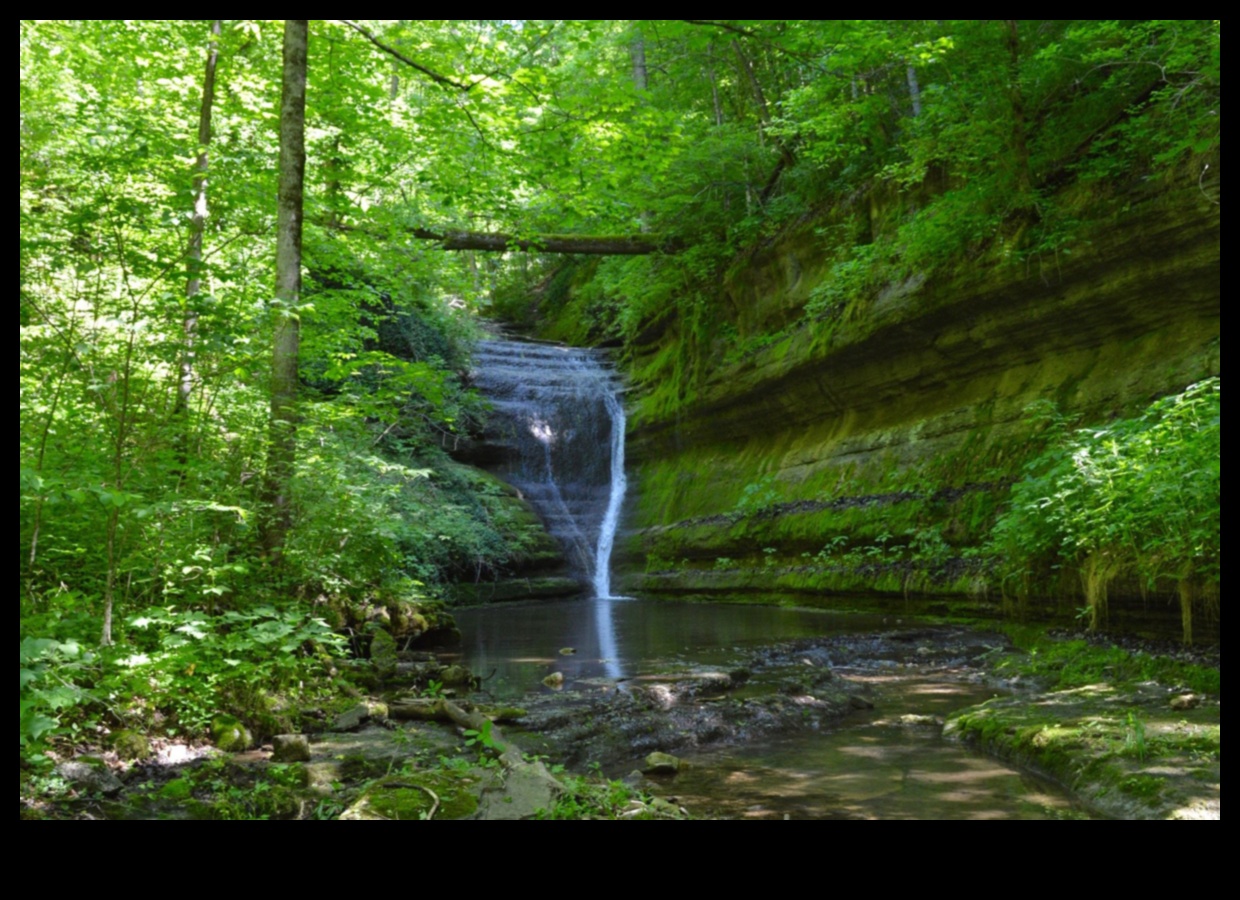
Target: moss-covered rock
point(417, 796)
point(290, 748)
point(1120, 749)
point(383, 653)
point(229, 734)
point(131, 746)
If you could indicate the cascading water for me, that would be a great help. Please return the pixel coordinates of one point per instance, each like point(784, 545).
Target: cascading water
point(560, 423)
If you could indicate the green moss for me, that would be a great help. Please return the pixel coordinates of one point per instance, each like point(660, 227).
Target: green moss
point(230, 734)
point(1142, 787)
point(1068, 664)
point(131, 746)
point(177, 789)
point(416, 795)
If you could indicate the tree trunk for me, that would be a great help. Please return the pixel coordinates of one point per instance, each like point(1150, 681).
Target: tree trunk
point(197, 227)
point(638, 51)
point(786, 157)
point(285, 348)
point(914, 90)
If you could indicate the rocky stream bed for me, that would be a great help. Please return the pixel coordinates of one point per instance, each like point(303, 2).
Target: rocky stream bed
point(430, 750)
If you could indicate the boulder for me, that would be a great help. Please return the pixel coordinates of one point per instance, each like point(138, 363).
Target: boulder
point(87, 773)
point(363, 711)
point(662, 764)
point(383, 653)
point(230, 735)
point(290, 748)
point(456, 675)
point(131, 746)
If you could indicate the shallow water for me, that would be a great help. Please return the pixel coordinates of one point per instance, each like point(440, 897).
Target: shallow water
point(871, 766)
point(520, 643)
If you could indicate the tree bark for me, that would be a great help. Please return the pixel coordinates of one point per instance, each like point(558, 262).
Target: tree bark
point(197, 228)
point(638, 51)
point(286, 345)
point(786, 157)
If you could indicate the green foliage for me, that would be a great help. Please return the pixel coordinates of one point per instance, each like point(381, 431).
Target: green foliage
point(592, 798)
point(191, 665)
point(1138, 497)
point(756, 497)
point(47, 674)
point(483, 738)
point(1134, 741)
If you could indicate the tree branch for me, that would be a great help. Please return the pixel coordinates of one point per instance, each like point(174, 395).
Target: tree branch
point(736, 29)
point(434, 76)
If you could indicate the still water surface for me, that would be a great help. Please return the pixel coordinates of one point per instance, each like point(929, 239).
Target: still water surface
point(871, 766)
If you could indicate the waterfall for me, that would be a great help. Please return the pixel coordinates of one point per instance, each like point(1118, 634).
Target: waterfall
point(559, 424)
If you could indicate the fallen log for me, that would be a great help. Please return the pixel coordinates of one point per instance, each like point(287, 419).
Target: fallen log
point(499, 242)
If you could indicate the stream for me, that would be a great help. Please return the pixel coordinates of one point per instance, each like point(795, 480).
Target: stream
point(890, 761)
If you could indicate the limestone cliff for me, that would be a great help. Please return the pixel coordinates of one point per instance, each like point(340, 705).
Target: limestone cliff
point(905, 424)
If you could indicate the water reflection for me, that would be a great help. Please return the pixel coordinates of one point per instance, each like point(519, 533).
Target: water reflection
point(519, 644)
point(605, 626)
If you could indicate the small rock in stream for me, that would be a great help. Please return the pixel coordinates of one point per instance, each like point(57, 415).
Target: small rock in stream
point(662, 764)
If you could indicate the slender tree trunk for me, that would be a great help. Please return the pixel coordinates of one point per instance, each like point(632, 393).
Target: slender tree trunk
point(48, 424)
point(714, 96)
point(285, 348)
point(637, 50)
point(786, 157)
point(197, 227)
point(914, 90)
point(718, 108)
point(123, 426)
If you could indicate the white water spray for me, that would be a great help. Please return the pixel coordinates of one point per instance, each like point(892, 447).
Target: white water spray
point(559, 424)
point(607, 532)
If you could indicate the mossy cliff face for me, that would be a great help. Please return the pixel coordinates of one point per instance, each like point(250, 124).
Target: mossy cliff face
point(871, 452)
